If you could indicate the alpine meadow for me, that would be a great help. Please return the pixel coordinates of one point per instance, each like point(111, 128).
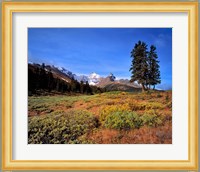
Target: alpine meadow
point(99, 86)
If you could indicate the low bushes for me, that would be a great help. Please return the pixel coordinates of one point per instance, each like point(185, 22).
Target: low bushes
point(135, 106)
point(122, 120)
point(62, 128)
point(121, 117)
point(106, 110)
point(152, 119)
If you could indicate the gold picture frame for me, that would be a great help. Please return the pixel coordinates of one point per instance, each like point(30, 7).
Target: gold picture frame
point(8, 8)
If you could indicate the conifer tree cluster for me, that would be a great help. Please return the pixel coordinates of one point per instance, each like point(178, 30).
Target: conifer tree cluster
point(40, 80)
point(145, 66)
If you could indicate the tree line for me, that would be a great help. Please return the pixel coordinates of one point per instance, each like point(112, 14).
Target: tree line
point(41, 80)
point(145, 66)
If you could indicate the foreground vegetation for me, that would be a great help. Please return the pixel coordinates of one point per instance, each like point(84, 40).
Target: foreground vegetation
point(112, 117)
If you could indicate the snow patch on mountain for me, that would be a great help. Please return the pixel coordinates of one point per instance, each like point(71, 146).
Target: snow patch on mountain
point(65, 71)
point(80, 78)
point(94, 78)
point(112, 77)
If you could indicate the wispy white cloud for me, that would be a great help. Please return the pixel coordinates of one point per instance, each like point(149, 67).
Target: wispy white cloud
point(161, 40)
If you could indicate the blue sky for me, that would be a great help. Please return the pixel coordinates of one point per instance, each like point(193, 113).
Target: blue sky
point(100, 50)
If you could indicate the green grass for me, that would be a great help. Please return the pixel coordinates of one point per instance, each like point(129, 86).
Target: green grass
point(44, 102)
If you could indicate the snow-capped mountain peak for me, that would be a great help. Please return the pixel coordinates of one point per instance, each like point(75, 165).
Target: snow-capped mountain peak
point(94, 78)
point(66, 72)
point(94, 75)
point(112, 77)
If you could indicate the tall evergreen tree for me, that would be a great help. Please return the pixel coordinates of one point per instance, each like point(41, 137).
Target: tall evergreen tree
point(82, 87)
point(88, 88)
point(154, 72)
point(139, 66)
point(50, 81)
point(73, 86)
point(43, 77)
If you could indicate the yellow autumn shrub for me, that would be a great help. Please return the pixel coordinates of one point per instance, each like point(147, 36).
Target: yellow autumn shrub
point(106, 110)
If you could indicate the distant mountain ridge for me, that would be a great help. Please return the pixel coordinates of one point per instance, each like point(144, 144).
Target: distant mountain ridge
point(93, 79)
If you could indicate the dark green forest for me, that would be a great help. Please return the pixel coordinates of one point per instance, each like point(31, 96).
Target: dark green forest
point(40, 80)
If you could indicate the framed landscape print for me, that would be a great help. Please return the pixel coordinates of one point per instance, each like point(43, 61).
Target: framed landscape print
point(110, 85)
point(104, 107)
